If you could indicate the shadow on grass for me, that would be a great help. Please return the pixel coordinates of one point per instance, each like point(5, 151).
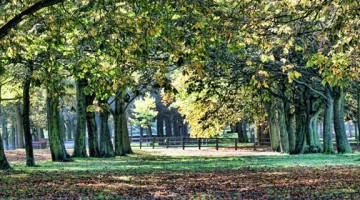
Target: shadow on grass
point(144, 163)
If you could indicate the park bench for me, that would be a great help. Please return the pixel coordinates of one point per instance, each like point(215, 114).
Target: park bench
point(41, 144)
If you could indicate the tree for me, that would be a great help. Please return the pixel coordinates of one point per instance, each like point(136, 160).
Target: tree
point(145, 113)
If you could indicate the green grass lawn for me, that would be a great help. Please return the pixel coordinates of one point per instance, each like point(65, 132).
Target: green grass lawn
point(149, 176)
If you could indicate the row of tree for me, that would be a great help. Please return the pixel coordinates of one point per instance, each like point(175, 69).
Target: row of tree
point(282, 63)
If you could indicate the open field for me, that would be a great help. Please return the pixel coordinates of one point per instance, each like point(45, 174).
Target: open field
point(168, 175)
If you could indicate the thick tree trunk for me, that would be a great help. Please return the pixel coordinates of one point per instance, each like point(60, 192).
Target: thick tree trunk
point(314, 141)
point(4, 164)
point(284, 137)
point(240, 128)
point(56, 140)
point(301, 124)
point(342, 143)
point(118, 120)
point(274, 127)
point(328, 146)
point(290, 126)
point(19, 127)
point(80, 135)
point(92, 128)
point(30, 160)
point(125, 134)
point(106, 146)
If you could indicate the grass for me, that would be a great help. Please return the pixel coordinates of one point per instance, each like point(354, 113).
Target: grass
point(142, 175)
point(142, 163)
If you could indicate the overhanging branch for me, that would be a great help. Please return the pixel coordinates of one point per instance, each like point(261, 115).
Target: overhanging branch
point(5, 29)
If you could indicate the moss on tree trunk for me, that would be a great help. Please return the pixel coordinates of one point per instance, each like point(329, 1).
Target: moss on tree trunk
point(274, 127)
point(91, 128)
point(328, 146)
point(342, 143)
point(4, 164)
point(106, 146)
point(57, 147)
point(80, 135)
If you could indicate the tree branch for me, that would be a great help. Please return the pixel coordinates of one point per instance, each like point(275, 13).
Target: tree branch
point(5, 29)
point(312, 89)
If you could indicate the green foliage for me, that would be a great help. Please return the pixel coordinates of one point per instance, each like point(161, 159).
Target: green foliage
point(144, 111)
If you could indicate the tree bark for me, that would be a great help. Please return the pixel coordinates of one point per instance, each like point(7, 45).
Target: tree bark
point(19, 127)
point(106, 146)
point(125, 134)
point(80, 135)
point(5, 29)
point(92, 128)
point(4, 164)
point(13, 137)
point(290, 126)
point(274, 127)
point(160, 125)
point(284, 137)
point(342, 143)
point(168, 126)
point(5, 133)
point(328, 146)
point(30, 160)
point(56, 140)
point(301, 123)
point(118, 120)
point(358, 113)
point(314, 141)
point(148, 131)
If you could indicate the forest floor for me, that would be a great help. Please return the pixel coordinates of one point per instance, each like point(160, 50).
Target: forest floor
point(189, 174)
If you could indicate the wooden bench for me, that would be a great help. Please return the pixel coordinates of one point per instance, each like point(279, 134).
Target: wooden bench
point(41, 144)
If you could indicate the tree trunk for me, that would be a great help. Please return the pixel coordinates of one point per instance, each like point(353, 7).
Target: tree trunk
point(314, 141)
point(5, 133)
point(41, 133)
point(13, 136)
point(358, 113)
point(342, 143)
point(274, 127)
point(125, 134)
point(80, 135)
point(118, 120)
point(56, 140)
point(92, 128)
point(148, 131)
point(290, 126)
point(168, 126)
point(328, 146)
point(106, 146)
point(160, 125)
point(301, 123)
point(284, 137)
point(240, 128)
point(4, 164)
point(141, 131)
point(19, 127)
point(175, 124)
point(30, 160)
